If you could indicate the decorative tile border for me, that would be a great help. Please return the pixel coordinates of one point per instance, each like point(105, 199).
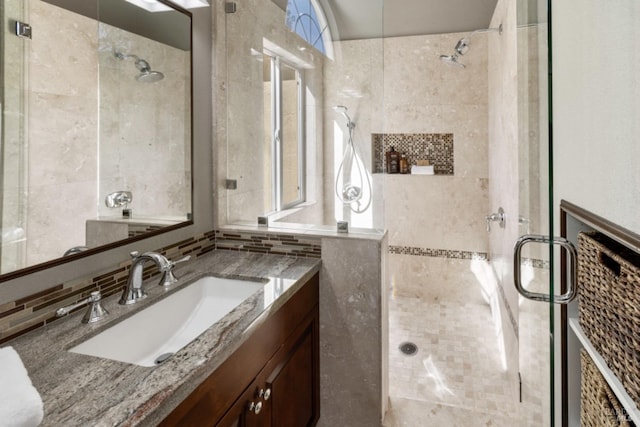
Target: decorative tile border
point(537, 263)
point(279, 244)
point(447, 253)
point(435, 147)
point(436, 253)
point(34, 311)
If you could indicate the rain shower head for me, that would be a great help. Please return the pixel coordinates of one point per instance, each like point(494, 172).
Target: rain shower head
point(452, 60)
point(464, 45)
point(146, 74)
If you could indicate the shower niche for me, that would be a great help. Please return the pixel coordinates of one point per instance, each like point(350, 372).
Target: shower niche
point(436, 148)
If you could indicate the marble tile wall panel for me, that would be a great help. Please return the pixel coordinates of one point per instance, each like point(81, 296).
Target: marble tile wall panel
point(434, 279)
point(352, 297)
point(436, 148)
point(34, 311)
point(443, 212)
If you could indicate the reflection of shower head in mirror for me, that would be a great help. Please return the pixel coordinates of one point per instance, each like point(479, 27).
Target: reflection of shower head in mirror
point(146, 74)
point(452, 60)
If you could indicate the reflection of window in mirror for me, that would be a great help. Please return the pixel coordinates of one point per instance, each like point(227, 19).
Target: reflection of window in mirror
point(284, 134)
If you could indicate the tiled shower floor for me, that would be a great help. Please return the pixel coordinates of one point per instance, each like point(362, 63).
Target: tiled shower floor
point(456, 377)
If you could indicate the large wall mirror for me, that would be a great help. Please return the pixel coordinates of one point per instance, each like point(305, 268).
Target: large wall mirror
point(96, 127)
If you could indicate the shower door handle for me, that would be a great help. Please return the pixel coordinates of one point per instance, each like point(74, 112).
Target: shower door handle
point(572, 287)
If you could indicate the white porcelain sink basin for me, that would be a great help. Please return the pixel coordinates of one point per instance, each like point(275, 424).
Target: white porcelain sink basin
point(152, 335)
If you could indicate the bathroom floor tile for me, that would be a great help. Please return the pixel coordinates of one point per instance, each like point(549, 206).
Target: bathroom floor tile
point(456, 363)
point(456, 378)
point(416, 413)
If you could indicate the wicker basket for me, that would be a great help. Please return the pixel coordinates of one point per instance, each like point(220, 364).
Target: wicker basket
point(609, 305)
point(599, 407)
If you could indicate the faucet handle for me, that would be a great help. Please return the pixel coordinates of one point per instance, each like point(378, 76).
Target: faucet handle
point(168, 278)
point(95, 311)
point(183, 259)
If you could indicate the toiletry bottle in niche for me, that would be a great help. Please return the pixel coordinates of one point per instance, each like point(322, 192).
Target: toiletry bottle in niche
point(393, 161)
point(404, 164)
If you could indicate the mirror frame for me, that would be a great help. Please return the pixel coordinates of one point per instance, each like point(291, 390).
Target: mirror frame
point(200, 131)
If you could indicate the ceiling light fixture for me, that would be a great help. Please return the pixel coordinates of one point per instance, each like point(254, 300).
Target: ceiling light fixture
point(156, 6)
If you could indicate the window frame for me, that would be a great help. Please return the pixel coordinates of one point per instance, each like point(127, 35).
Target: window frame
point(276, 120)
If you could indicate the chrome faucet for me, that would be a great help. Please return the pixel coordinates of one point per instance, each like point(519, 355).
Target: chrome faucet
point(95, 311)
point(134, 291)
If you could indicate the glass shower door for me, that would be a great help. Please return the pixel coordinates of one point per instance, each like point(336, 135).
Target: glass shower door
point(13, 159)
point(537, 251)
point(532, 269)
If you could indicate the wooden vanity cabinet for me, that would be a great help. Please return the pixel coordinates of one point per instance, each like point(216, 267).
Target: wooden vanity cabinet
point(272, 379)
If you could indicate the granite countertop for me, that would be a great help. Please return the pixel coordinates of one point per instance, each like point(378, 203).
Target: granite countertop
point(83, 390)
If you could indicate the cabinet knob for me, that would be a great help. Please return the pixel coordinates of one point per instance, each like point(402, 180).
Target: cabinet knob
point(264, 394)
point(255, 407)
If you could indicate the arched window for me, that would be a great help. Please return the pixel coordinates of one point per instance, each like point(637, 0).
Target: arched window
point(306, 18)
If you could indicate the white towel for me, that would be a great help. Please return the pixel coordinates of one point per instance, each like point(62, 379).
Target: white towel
point(20, 403)
point(421, 170)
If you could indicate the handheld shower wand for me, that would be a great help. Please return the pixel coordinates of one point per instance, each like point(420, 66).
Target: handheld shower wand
point(343, 110)
point(352, 193)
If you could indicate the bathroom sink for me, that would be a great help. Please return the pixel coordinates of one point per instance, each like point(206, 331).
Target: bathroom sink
point(151, 336)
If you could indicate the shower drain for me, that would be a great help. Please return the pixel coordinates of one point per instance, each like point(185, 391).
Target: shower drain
point(408, 348)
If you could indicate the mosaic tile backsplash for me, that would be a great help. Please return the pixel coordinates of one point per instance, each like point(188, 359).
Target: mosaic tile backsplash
point(34, 311)
point(279, 244)
point(435, 147)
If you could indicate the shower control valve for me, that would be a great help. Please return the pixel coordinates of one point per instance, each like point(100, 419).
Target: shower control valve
point(498, 217)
